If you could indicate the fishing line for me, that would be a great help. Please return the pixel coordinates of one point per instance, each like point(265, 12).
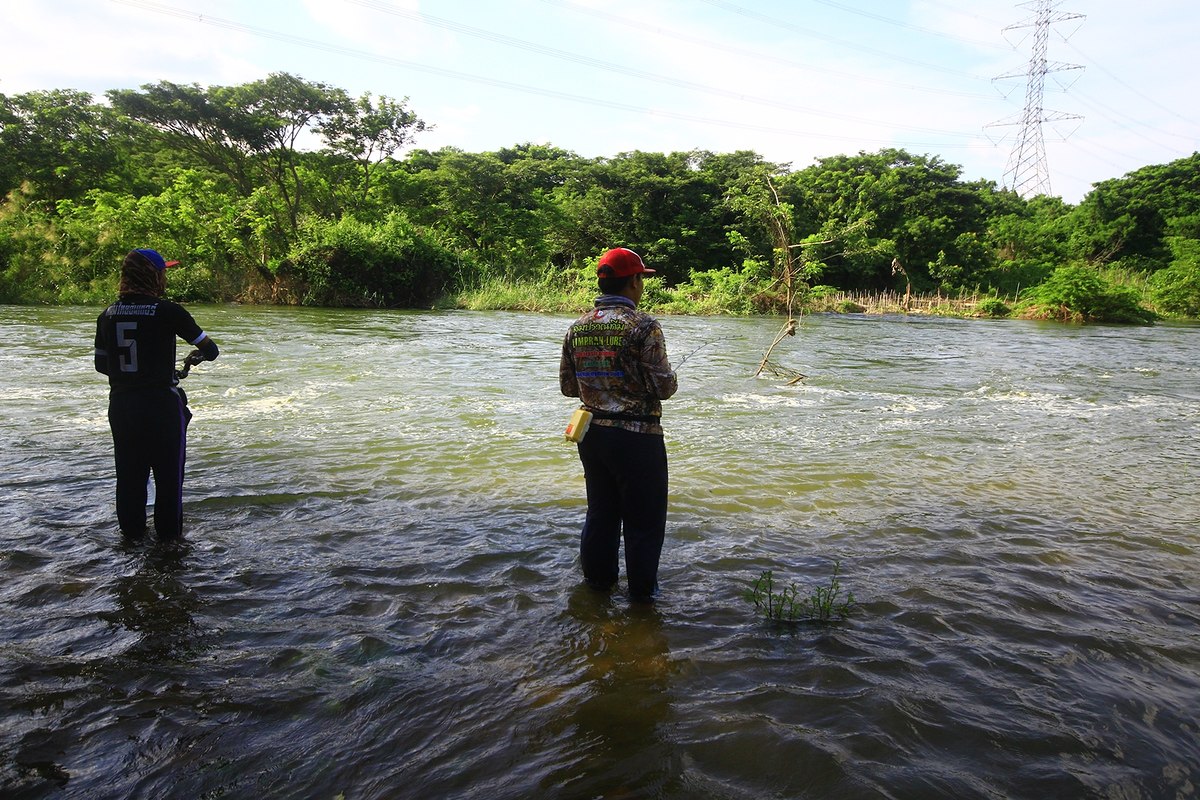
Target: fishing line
point(698, 349)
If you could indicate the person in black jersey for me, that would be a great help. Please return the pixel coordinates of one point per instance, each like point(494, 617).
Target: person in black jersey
point(147, 411)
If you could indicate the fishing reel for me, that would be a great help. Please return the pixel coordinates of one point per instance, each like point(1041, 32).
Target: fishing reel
point(192, 359)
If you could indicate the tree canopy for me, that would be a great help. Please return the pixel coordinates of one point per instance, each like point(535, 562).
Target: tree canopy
point(289, 190)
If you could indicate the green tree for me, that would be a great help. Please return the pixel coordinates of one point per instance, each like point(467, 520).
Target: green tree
point(1126, 219)
point(61, 142)
point(367, 133)
point(1027, 239)
point(196, 121)
point(248, 133)
point(280, 109)
point(916, 203)
point(502, 209)
point(484, 208)
point(667, 207)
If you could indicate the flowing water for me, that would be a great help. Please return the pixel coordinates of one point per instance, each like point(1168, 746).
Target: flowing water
point(380, 595)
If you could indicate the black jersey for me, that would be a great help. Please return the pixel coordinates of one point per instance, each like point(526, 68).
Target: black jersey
point(135, 341)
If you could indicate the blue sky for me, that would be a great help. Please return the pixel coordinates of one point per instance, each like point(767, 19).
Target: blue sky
point(794, 80)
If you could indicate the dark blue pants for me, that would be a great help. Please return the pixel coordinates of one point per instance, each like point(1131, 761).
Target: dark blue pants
point(149, 429)
point(626, 476)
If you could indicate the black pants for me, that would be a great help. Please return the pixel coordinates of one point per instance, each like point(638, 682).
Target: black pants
point(149, 429)
point(626, 476)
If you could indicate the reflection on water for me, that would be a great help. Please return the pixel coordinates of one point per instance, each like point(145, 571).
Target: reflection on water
point(107, 673)
point(619, 719)
point(379, 597)
point(156, 605)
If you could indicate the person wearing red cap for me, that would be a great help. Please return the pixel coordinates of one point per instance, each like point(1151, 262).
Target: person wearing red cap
point(147, 411)
point(614, 359)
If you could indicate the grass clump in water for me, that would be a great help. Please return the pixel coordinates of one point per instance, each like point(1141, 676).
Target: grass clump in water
point(823, 604)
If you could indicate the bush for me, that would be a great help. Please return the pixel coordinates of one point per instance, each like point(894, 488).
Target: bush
point(27, 233)
point(352, 263)
point(1013, 276)
point(1176, 289)
point(71, 251)
point(1079, 294)
point(821, 292)
point(716, 291)
point(993, 307)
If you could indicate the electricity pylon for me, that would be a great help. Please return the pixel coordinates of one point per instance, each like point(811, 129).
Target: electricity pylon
point(1027, 172)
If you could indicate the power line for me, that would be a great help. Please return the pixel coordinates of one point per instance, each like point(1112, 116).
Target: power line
point(267, 33)
point(1172, 111)
point(962, 10)
point(899, 23)
point(609, 66)
point(1119, 119)
point(757, 55)
point(776, 22)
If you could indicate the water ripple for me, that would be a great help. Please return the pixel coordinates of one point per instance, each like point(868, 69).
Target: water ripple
point(380, 593)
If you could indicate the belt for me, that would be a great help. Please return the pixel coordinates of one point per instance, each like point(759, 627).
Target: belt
point(624, 417)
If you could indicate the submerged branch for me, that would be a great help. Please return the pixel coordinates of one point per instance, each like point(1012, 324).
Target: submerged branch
point(789, 329)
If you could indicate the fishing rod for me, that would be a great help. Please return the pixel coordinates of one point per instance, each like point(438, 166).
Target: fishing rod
point(698, 349)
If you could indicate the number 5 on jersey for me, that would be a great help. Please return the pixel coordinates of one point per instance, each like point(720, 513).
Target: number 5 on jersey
point(127, 358)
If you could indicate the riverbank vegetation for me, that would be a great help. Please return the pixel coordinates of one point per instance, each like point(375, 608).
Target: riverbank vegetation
point(290, 191)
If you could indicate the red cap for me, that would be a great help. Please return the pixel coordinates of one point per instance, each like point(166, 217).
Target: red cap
point(620, 262)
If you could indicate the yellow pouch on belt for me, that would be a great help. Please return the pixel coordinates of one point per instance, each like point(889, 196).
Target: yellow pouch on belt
point(578, 425)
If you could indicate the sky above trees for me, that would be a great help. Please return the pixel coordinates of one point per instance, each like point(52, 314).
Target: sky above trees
point(793, 80)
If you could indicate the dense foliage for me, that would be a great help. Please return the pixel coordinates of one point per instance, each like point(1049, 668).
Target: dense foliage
point(289, 191)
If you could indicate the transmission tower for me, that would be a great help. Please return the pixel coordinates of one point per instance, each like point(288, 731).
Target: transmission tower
point(1027, 172)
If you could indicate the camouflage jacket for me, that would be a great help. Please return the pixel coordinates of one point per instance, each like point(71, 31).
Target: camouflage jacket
point(614, 359)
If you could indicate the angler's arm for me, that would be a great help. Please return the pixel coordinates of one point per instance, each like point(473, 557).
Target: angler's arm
point(101, 361)
point(207, 347)
point(568, 382)
point(186, 328)
point(660, 378)
point(101, 358)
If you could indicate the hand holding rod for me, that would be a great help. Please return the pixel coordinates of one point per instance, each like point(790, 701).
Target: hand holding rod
point(192, 358)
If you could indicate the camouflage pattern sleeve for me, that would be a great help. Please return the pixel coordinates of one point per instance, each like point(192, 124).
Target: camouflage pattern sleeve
point(567, 382)
point(660, 378)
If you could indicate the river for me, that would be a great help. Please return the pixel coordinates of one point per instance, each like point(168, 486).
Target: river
point(380, 594)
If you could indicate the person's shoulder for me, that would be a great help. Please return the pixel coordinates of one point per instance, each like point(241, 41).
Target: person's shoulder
point(173, 310)
point(644, 326)
point(644, 318)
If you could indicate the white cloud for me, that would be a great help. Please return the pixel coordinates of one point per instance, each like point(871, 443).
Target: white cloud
point(838, 82)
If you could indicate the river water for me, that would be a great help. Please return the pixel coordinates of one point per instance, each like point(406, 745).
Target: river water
point(380, 595)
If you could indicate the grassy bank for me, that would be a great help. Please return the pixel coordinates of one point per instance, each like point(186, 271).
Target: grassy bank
point(573, 293)
point(1070, 294)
